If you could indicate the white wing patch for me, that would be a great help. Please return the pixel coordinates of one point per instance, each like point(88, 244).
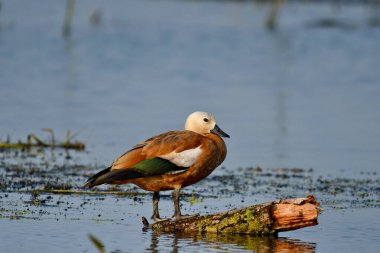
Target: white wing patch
point(183, 159)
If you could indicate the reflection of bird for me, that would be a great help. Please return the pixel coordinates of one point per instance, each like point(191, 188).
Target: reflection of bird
point(169, 161)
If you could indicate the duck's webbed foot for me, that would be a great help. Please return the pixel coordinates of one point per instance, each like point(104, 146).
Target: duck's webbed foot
point(158, 219)
point(177, 211)
point(184, 216)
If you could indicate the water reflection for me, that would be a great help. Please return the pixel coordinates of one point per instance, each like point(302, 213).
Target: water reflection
point(282, 58)
point(230, 243)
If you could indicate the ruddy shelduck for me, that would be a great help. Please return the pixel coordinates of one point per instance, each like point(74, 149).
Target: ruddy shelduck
point(169, 161)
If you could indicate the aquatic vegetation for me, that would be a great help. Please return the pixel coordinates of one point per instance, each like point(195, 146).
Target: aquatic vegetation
point(97, 243)
point(32, 141)
point(30, 190)
point(194, 199)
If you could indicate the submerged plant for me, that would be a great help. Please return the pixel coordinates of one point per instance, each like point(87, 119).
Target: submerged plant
point(98, 244)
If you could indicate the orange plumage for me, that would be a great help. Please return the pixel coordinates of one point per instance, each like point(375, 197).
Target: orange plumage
point(170, 161)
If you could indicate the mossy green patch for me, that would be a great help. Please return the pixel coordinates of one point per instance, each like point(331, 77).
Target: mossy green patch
point(193, 199)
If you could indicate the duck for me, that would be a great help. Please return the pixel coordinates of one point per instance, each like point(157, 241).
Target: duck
point(169, 161)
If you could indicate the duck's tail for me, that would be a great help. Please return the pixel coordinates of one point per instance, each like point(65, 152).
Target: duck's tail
point(97, 178)
point(109, 176)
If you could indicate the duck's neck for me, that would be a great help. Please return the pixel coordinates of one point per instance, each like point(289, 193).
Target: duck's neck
point(220, 144)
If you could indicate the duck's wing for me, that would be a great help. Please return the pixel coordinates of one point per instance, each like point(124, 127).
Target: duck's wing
point(169, 152)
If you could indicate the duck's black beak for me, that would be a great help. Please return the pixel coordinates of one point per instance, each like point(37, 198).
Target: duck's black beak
point(219, 132)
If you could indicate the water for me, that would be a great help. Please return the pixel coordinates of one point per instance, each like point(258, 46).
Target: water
point(301, 96)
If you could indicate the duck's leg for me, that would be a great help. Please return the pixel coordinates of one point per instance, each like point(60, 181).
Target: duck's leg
point(156, 199)
point(156, 214)
point(177, 211)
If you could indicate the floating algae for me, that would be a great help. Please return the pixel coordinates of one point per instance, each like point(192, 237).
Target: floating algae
point(38, 186)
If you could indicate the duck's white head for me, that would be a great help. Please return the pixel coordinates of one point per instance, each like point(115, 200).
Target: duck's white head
point(202, 123)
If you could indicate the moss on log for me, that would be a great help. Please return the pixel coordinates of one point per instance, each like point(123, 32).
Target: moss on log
point(263, 219)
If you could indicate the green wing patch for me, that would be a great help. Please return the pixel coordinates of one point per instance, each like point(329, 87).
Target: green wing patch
point(157, 166)
point(146, 168)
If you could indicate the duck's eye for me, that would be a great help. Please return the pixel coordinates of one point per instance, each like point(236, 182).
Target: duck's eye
point(205, 119)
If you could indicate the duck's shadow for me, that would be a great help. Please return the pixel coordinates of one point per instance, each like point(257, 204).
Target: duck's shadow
point(226, 242)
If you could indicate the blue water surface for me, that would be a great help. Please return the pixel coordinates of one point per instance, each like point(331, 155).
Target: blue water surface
point(301, 95)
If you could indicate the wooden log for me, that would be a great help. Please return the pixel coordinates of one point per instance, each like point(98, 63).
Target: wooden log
point(262, 219)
